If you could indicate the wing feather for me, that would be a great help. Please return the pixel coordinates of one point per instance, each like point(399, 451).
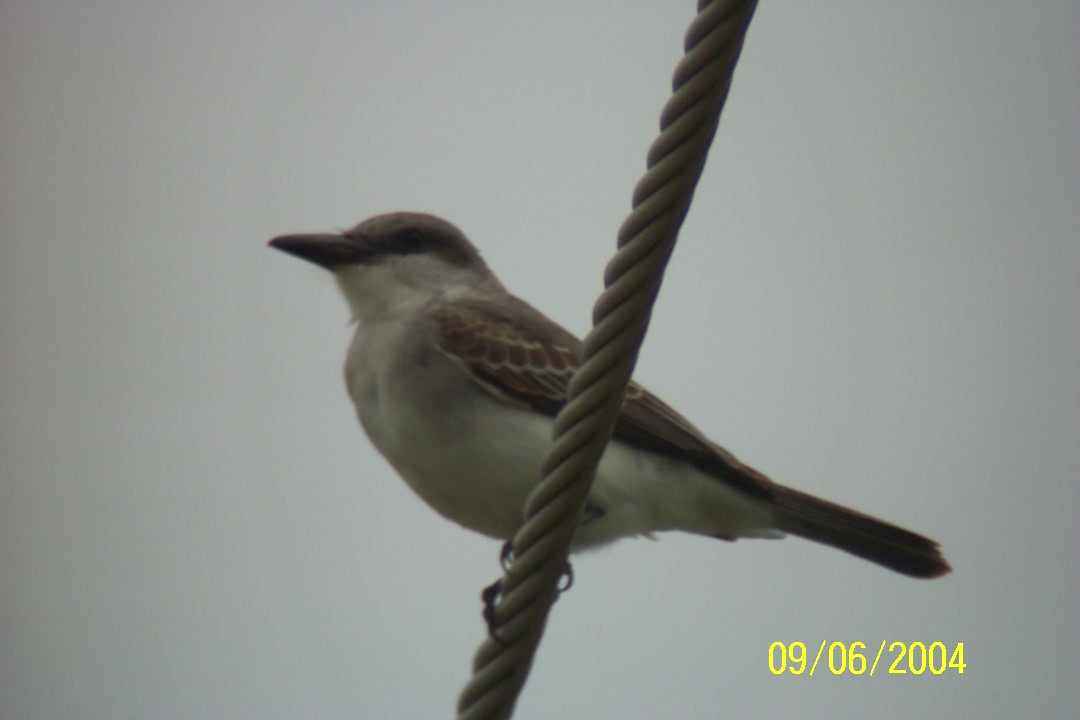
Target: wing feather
point(520, 356)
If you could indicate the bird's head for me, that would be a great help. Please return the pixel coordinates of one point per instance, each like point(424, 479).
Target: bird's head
point(392, 261)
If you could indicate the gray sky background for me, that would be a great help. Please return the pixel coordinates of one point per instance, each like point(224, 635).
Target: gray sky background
point(875, 299)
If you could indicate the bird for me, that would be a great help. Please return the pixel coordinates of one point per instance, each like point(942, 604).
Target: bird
point(456, 382)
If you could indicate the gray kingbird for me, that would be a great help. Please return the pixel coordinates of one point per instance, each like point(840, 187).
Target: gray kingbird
point(457, 382)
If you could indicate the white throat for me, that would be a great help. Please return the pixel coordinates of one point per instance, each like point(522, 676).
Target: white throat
point(398, 285)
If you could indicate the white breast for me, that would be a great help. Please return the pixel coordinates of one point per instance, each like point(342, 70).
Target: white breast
point(474, 459)
point(468, 457)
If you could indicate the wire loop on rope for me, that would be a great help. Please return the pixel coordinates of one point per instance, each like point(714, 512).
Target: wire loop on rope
point(632, 280)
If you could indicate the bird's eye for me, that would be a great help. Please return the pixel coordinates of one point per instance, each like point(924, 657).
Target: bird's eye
point(412, 241)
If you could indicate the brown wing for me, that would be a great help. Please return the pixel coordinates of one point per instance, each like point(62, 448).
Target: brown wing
point(523, 357)
point(507, 359)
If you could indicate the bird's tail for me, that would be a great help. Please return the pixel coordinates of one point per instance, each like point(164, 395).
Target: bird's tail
point(869, 538)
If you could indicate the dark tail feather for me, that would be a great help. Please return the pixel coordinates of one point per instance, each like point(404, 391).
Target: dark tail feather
point(850, 531)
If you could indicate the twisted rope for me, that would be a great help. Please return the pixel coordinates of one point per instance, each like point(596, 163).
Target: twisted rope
point(620, 317)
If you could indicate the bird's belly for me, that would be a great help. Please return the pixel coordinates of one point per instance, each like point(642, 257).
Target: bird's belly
point(476, 471)
point(475, 460)
point(471, 458)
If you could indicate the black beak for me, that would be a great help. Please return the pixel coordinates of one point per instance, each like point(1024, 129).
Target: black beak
point(328, 250)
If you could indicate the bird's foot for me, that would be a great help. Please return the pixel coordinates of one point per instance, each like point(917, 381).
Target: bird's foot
point(491, 595)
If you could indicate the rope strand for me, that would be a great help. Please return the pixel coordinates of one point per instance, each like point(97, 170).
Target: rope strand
point(583, 427)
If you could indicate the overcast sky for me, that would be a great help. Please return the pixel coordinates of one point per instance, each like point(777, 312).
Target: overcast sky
point(875, 299)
